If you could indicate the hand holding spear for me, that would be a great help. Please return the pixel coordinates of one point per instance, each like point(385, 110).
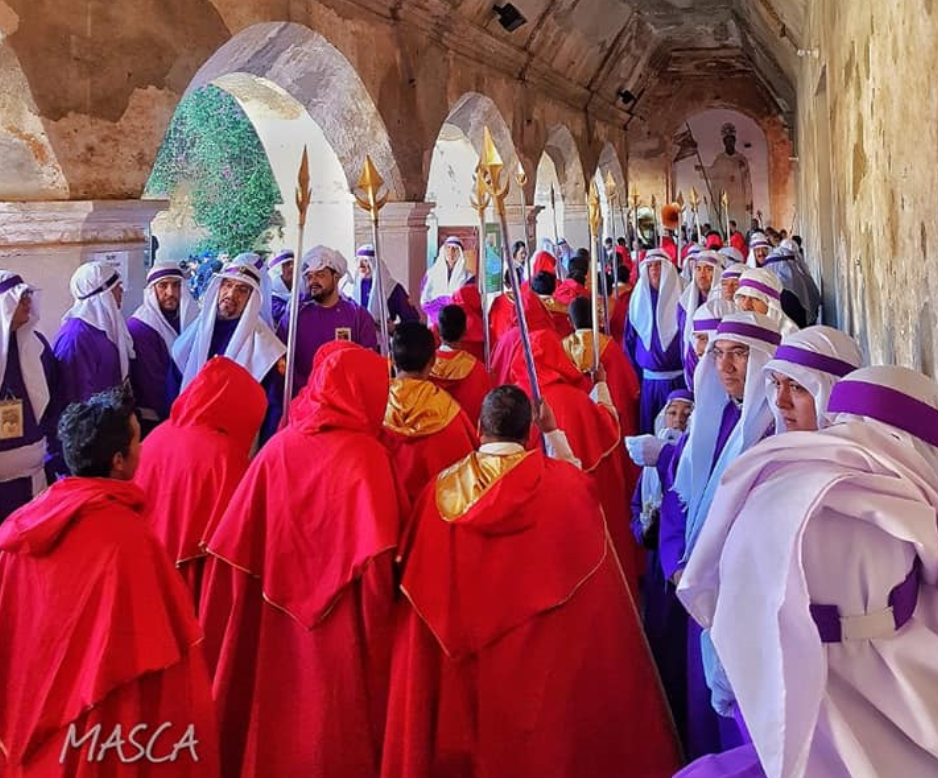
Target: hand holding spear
point(303, 196)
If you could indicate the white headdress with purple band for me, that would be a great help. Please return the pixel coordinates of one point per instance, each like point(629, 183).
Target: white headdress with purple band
point(12, 288)
point(150, 312)
point(646, 317)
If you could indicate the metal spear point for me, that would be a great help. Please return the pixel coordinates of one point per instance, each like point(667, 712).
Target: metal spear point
point(303, 197)
point(480, 201)
point(654, 211)
point(490, 167)
point(694, 206)
point(521, 178)
point(725, 205)
point(370, 184)
point(596, 221)
point(680, 229)
point(633, 197)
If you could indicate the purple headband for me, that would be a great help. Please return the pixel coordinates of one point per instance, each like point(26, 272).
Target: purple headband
point(103, 288)
point(887, 405)
point(759, 286)
point(684, 395)
point(452, 240)
point(283, 256)
point(748, 331)
point(822, 362)
point(10, 283)
point(705, 325)
point(167, 272)
point(732, 273)
point(366, 251)
point(242, 270)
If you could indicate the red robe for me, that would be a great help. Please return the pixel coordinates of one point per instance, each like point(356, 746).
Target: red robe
point(593, 433)
point(738, 242)
point(537, 317)
point(464, 378)
point(521, 654)
point(299, 596)
point(620, 314)
point(467, 298)
point(569, 290)
point(191, 464)
point(501, 316)
point(425, 431)
point(97, 630)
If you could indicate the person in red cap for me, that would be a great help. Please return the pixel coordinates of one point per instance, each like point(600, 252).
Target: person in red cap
point(298, 604)
point(519, 652)
point(425, 429)
point(537, 317)
point(456, 370)
point(101, 665)
point(591, 423)
point(191, 464)
point(473, 341)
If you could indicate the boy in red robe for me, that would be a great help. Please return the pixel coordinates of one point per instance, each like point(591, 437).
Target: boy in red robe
point(191, 464)
point(425, 429)
point(543, 285)
point(537, 317)
point(299, 594)
point(520, 653)
point(101, 671)
point(457, 371)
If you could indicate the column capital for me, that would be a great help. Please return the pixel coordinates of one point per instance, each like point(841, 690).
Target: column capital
point(77, 221)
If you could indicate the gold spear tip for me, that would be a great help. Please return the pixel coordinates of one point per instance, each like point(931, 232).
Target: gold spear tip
point(370, 180)
point(595, 214)
point(610, 185)
point(723, 197)
point(490, 160)
point(680, 199)
point(303, 176)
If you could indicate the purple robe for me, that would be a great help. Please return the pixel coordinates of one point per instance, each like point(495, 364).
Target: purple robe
point(14, 494)
point(87, 361)
point(149, 371)
point(691, 360)
point(318, 325)
point(742, 762)
point(655, 391)
point(278, 309)
point(400, 307)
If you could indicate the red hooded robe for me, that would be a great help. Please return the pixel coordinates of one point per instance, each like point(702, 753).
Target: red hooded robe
point(98, 631)
point(299, 595)
point(467, 298)
point(464, 378)
point(521, 653)
point(191, 464)
point(537, 317)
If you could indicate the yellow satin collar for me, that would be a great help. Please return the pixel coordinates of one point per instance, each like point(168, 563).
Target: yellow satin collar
point(554, 306)
point(579, 347)
point(418, 408)
point(454, 368)
point(462, 485)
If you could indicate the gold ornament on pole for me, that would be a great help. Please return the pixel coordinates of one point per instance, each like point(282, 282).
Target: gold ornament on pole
point(634, 201)
point(370, 184)
point(521, 178)
point(480, 201)
point(303, 198)
point(695, 209)
point(596, 222)
point(612, 195)
point(725, 204)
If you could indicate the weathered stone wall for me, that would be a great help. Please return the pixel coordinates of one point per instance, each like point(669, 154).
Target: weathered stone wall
point(868, 152)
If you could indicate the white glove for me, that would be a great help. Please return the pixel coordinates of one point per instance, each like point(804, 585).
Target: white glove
point(644, 450)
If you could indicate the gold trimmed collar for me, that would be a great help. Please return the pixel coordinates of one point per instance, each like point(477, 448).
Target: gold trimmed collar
point(453, 368)
point(462, 485)
point(418, 408)
point(579, 347)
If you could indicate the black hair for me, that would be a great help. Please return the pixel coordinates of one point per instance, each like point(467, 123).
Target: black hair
point(579, 268)
point(581, 313)
point(506, 414)
point(622, 242)
point(544, 283)
point(797, 239)
point(94, 431)
point(517, 246)
point(452, 323)
point(412, 347)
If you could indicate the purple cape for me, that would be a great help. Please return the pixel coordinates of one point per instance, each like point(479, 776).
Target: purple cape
point(149, 369)
point(87, 361)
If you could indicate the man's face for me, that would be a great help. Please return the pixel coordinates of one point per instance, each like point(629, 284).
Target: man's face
point(760, 253)
point(364, 268)
point(703, 276)
point(701, 341)
point(321, 283)
point(795, 403)
point(123, 466)
point(732, 359)
point(654, 274)
point(21, 314)
point(450, 254)
point(118, 291)
point(286, 274)
point(676, 416)
point(521, 254)
point(751, 304)
point(168, 291)
point(233, 298)
point(728, 287)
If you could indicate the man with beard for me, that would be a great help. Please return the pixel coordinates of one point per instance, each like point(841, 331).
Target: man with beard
point(325, 315)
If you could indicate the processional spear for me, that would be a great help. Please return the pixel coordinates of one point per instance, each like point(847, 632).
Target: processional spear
point(634, 203)
point(370, 183)
point(725, 205)
point(595, 214)
point(303, 195)
point(611, 197)
point(680, 229)
point(561, 271)
point(654, 210)
point(694, 209)
point(480, 201)
point(596, 220)
point(491, 167)
point(521, 178)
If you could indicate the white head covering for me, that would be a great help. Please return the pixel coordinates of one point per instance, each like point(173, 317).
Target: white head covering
point(691, 296)
point(764, 285)
point(733, 255)
point(734, 270)
point(759, 240)
point(150, 312)
point(652, 493)
point(367, 253)
point(439, 282)
point(786, 263)
point(687, 268)
point(253, 344)
point(643, 316)
point(697, 478)
point(91, 287)
point(707, 318)
point(12, 289)
point(863, 705)
point(266, 286)
point(279, 289)
point(817, 358)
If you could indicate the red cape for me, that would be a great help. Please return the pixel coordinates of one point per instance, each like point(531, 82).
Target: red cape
point(431, 432)
point(522, 652)
point(569, 290)
point(501, 316)
point(467, 298)
point(107, 638)
point(620, 314)
point(464, 378)
point(509, 344)
point(299, 595)
point(191, 464)
point(738, 242)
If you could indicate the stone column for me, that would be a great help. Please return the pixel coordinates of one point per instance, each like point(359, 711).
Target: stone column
point(45, 242)
point(576, 228)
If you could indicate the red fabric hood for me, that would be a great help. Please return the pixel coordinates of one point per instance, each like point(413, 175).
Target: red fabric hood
point(551, 362)
point(467, 298)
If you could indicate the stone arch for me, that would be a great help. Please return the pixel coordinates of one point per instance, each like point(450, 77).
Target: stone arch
point(612, 214)
point(474, 111)
point(315, 73)
point(563, 153)
point(562, 148)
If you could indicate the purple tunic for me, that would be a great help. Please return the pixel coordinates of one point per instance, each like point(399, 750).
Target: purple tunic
point(399, 306)
point(278, 308)
point(149, 370)
point(319, 325)
point(14, 494)
point(655, 391)
point(87, 361)
point(742, 762)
